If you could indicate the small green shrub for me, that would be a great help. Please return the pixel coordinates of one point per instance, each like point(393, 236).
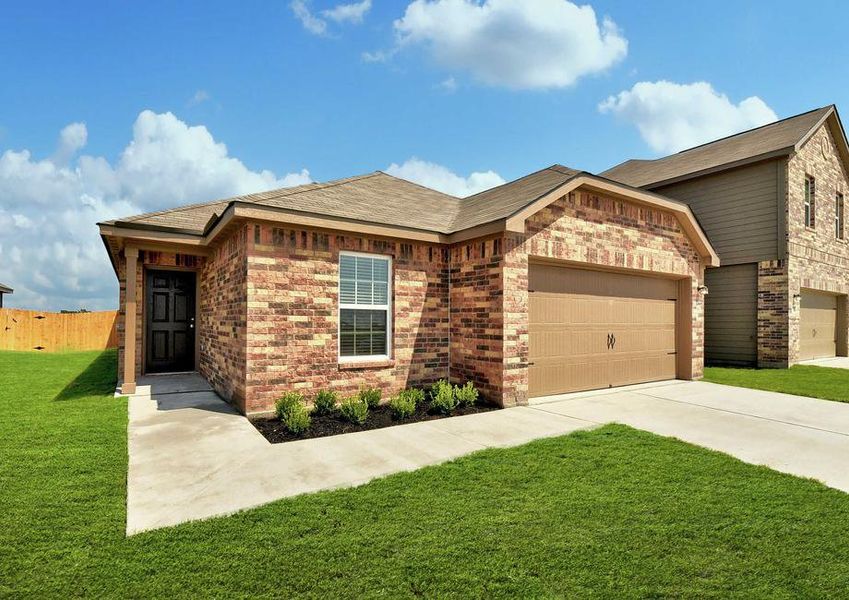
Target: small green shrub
point(325, 402)
point(297, 420)
point(414, 394)
point(354, 410)
point(371, 396)
point(402, 406)
point(286, 402)
point(466, 395)
point(442, 397)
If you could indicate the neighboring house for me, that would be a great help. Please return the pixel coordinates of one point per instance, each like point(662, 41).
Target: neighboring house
point(558, 281)
point(4, 289)
point(772, 203)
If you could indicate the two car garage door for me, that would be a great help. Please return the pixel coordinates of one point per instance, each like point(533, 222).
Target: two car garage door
point(592, 329)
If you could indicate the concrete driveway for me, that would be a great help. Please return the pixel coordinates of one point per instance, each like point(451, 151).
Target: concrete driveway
point(835, 362)
point(191, 456)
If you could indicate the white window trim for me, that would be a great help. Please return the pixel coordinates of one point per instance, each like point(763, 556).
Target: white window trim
point(387, 307)
point(810, 202)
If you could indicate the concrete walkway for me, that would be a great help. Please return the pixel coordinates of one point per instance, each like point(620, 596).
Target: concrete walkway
point(193, 457)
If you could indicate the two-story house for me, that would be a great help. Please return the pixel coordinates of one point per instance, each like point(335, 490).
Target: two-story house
point(772, 202)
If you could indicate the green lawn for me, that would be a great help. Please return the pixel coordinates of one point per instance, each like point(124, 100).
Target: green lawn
point(802, 380)
point(613, 512)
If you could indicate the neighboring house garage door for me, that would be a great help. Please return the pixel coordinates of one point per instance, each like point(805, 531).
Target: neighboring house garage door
point(818, 335)
point(731, 315)
point(593, 329)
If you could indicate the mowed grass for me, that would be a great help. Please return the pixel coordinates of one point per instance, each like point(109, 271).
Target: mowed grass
point(801, 380)
point(613, 512)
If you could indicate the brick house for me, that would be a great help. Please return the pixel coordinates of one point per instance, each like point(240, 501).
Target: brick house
point(555, 282)
point(771, 201)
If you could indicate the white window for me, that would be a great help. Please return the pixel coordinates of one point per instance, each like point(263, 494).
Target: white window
point(838, 216)
point(810, 202)
point(364, 302)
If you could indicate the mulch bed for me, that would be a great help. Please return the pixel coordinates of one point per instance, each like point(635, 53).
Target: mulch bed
point(378, 418)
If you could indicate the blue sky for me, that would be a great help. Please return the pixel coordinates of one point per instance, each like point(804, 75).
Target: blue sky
point(285, 99)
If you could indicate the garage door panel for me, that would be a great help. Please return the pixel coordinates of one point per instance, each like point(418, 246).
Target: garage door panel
point(570, 329)
point(817, 325)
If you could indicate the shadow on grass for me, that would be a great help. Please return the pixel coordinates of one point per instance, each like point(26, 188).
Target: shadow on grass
point(98, 379)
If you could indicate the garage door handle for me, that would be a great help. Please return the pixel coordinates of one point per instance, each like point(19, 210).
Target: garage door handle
point(611, 341)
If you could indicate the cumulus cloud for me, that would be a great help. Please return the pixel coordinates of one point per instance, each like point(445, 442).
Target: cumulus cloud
point(50, 251)
point(671, 116)
point(72, 138)
point(348, 13)
point(443, 179)
point(511, 43)
point(353, 13)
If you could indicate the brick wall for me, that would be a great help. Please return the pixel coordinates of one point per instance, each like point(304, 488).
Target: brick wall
point(477, 315)
point(595, 230)
point(222, 323)
point(773, 310)
point(292, 315)
point(816, 258)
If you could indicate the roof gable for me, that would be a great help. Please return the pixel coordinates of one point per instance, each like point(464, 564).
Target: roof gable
point(775, 139)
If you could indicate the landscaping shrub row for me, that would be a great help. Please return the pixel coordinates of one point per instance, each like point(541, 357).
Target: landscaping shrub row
point(330, 415)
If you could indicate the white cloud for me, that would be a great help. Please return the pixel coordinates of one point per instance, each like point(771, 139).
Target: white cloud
point(72, 139)
point(199, 97)
point(512, 43)
point(448, 85)
point(443, 179)
point(50, 250)
point(310, 22)
point(672, 116)
point(352, 13)
point(348, 13)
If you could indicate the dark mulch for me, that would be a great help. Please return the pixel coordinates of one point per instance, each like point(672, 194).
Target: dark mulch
point(378, 418)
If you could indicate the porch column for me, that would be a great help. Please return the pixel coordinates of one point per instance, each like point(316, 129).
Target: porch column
point(129, 386)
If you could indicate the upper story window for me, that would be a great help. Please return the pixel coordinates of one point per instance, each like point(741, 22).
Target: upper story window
point(838, 216)
point(810, 201)
point(364, 299)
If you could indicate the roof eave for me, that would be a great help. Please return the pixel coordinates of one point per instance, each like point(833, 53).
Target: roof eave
point(719, 168)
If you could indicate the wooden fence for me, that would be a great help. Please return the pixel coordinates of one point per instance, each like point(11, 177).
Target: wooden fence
point(53, 332)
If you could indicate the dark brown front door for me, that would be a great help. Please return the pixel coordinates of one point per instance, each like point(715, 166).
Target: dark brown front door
point(170, 321)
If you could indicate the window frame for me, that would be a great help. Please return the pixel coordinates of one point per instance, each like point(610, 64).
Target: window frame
point(839, 217)
point(340, 306)
point(809, 202)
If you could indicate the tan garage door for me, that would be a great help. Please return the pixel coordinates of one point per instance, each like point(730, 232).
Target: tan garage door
point(592, 329)
point(818, 335)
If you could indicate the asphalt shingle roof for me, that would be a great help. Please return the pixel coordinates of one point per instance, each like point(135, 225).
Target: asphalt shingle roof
point(374, 198)
point(770, 138)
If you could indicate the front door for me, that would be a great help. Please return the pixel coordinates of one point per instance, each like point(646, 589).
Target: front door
point(170, 319)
